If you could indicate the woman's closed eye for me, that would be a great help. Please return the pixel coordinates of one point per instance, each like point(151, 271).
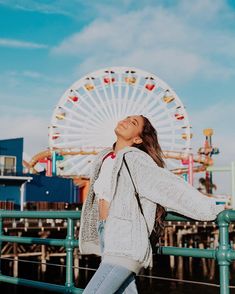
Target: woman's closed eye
point(135, 122)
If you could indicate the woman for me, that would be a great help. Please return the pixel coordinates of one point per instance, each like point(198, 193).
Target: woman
point(112, 224)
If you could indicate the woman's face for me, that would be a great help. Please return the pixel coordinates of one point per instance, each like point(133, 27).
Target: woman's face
point(130, 129)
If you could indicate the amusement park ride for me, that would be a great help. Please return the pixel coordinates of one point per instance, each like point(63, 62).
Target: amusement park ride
point(82, 123)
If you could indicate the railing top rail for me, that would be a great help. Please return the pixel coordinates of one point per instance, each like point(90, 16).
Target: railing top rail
point(40, 214)
point(176, 217)
point(225, 216)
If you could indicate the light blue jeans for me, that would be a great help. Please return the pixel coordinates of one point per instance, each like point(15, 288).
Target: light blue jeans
point(110, 278)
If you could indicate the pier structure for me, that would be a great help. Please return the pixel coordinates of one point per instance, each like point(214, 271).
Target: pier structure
point(224, 254)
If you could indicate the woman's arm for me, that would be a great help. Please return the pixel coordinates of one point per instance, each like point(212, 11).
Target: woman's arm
point(163, 187)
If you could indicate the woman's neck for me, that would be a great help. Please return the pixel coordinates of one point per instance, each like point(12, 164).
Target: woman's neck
point(120, 144)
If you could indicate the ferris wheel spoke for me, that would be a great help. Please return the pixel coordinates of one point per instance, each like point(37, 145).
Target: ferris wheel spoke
point(88, 108)
point(119, 95)
point(107, 100)
point(148, 107)
point(70, 144)
point(98, 110)
point(168, 129)
point(166, 136)
point(67, 120)
point(166, 144)
point(127, 89)
point(78, 115)
point(86, 170)
point(75, 132)
point(74, 165)
point(161, 109)
point(125, 99)
point(70, 159)
point(113, 96)
point(73, 161)
point(91, 120)
point(70, 120)
point(160, 123)
point(142, 94)
point(146, 103)
point(133, 95)
point(161, 115)
point(104, 107)
point(67, 127)
point(76, 135)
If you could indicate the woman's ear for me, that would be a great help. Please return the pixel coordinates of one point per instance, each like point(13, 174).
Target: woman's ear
point(138, 140)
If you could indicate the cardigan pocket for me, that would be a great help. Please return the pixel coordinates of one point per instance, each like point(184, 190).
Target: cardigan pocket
point(118, 235)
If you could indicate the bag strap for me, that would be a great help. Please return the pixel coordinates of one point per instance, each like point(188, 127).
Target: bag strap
point(136, 193)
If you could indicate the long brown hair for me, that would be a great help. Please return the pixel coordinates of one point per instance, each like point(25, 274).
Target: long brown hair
point(151, 146)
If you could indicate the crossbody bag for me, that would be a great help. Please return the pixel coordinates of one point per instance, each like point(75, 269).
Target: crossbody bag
point(154, 239)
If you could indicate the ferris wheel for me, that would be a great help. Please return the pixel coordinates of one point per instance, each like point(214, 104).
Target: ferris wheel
point(87, 113)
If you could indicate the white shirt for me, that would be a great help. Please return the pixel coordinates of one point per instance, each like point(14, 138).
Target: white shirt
point(102, 186)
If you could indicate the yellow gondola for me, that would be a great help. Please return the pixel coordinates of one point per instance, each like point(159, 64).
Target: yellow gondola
point(60, 116)
point(130, 80)
point(186, 136)
point(89, 87)
point(168, 99)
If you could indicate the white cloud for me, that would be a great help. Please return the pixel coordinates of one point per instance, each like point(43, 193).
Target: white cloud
point(208, 9)
point(55, 7)
point(32, 74)
point(178, 42)
point(31, 89)
point(22, 123)
point(163, 63)
point(11, 43)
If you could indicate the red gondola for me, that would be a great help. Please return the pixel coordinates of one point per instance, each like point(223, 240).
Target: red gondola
point(55, 136)
point(108, 80)
point(150, 87)
point(73, 98)
point(179, 116)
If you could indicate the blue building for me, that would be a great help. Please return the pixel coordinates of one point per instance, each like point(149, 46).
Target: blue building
point(12, 180)
point(17, 189)
point(51, 189)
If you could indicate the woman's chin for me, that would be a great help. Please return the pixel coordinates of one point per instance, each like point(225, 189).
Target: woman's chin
point(117, 131)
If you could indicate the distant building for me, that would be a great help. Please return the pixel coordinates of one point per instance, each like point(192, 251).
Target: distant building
point(18, 189)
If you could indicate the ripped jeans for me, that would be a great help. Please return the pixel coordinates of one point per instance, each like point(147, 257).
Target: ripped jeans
point(110, 278)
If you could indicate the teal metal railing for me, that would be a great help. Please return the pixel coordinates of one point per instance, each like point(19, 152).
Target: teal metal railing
point(224, 254)
point(69, 243)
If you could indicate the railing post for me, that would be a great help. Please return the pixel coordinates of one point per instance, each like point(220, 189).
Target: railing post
point(233, 183)
point(69, 254)
point(0, 245)
point(222, 255)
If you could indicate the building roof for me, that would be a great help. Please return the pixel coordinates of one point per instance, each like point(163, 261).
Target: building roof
point(16, 178)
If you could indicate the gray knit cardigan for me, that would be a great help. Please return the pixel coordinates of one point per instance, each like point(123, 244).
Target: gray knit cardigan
point(126, 237)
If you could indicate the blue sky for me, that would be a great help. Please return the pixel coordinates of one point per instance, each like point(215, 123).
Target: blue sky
point(45, 46)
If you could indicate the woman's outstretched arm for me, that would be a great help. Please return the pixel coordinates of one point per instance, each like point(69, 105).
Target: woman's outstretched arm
point(162, 186)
